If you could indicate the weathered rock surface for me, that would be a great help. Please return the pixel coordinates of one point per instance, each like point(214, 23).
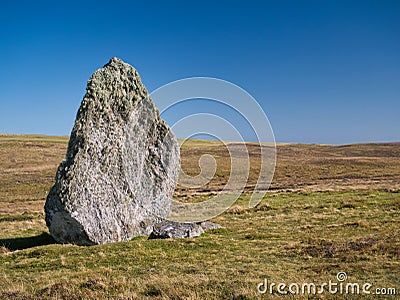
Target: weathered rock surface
point(171, 229)
point(121, 166)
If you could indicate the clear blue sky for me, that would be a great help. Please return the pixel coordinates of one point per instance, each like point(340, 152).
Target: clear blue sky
point(323, 71)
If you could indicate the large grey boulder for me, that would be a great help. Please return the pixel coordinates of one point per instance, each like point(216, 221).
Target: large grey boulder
point(121, 166)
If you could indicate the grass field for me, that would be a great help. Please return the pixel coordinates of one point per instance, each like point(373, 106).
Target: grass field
point(330, 209)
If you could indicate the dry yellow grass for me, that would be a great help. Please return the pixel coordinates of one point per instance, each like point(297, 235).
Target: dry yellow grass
point(305, 167)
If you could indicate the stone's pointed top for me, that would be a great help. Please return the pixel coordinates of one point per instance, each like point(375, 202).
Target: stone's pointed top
point(115, 60)
point(116, 66)
point(118, 63)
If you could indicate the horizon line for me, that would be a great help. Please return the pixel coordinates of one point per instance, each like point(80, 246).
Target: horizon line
point(282, 143)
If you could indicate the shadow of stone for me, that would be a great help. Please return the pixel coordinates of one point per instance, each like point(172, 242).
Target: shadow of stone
point(27, 242)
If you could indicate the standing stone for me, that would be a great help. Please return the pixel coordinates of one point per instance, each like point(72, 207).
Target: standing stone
point(121, 166)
